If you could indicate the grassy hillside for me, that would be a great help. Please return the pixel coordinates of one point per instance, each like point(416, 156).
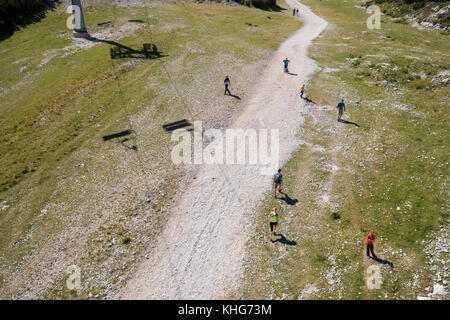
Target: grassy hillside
point(389, 174)
point(67, 195)
point(429, 13)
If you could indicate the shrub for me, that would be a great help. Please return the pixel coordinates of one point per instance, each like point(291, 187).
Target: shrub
point(335, 215)
point(262, 4)
point(422, 84)
point(318, 257)
point(126, 240)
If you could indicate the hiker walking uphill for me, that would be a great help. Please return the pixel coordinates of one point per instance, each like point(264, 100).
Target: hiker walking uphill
point(369, 245)
point(286, 63)
point(302, 91)
point(341, 109)
point(277, 181)
point(227, 83)
point(273, 223)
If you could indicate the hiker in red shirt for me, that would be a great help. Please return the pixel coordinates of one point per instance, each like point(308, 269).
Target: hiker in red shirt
point(369, 247)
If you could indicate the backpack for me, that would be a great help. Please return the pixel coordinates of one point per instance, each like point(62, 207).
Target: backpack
point(277, 178)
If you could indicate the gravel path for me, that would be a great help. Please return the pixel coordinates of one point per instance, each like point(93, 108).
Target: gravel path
point(200, 252)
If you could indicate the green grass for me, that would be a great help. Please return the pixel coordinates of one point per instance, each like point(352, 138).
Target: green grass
point(67, 192)
point(419, 8)
point(397, 158)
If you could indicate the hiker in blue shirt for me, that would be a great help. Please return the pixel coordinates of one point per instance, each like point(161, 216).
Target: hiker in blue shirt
point(286, 62)
point(293, 12)
point(341, 109)
point(227, 83)
point(277, 181)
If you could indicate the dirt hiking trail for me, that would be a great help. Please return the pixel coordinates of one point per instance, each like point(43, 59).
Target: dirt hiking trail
point(200, 252)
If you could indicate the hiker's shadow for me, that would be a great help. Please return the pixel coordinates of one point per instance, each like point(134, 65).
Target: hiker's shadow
point(308, 100)
point(292, 74)
point(349, 122)
point(283, 240)
point(390, 264)
point(287, 199)
point(235, 96)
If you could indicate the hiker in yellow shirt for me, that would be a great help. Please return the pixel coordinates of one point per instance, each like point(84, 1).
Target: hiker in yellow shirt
point(273, 223)
point(302, 90)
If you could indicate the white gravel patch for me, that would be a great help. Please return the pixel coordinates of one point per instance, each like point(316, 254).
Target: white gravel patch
point(200, 253)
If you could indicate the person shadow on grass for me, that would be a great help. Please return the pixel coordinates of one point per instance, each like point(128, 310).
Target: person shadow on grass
point(287, 199)
point(308, 100)
point(348, 122)
point(390, 264)
point(283, 240)
point(235, 96)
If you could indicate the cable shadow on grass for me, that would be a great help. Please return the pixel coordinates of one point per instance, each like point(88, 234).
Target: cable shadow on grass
point(169, 127)
point(119, 51)
point(123, 142)
point(117, 135)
